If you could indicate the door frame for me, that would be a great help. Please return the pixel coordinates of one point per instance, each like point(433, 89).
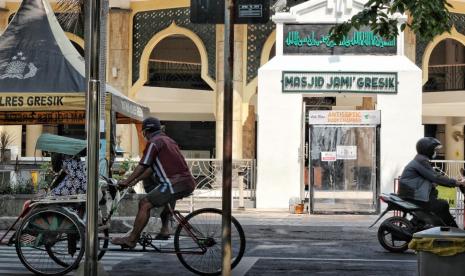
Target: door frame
point(376, 190)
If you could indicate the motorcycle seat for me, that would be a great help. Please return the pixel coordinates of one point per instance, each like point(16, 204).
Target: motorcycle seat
point(403, 203)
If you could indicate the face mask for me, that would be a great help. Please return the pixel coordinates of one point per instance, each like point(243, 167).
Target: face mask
point(434, 155)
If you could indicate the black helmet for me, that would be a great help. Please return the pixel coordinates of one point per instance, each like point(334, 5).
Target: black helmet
point(151, 124)
point(427, 146)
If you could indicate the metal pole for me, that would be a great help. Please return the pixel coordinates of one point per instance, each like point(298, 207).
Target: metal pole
point(93, 129)
point(227, 133)
point(241, 192)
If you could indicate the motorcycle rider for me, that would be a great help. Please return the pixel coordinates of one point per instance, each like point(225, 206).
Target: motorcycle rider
point(418, 181)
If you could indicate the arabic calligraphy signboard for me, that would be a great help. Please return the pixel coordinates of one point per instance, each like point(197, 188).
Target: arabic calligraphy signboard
point(331, 82)
point(313, 39)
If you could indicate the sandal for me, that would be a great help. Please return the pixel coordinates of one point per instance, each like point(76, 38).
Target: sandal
point(124, 242)
point(161, 236)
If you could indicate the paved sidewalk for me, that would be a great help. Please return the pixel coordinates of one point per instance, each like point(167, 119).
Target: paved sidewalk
point(276, 217)
point(283, 217)
point(250, 217)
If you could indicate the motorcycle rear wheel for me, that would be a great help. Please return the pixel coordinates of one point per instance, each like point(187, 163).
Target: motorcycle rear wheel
point(388, 240)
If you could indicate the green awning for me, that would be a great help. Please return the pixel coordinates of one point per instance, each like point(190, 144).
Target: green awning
point(60, 144)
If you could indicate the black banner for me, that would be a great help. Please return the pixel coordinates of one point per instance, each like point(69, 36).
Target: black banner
point(39, 118)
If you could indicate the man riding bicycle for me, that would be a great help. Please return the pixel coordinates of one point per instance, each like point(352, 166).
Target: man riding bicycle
point(163, 159)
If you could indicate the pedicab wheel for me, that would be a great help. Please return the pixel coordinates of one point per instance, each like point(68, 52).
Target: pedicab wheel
point(103, 238)
point(206, 225)
point(103, 245)
point(50, 241)
point(389, 240)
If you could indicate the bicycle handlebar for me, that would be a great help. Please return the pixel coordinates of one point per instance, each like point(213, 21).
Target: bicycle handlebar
point(110, 181)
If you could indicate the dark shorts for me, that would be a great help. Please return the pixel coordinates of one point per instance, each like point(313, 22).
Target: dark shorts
point(160, 197)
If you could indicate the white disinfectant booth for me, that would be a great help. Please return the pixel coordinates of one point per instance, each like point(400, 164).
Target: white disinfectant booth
point(336, 122)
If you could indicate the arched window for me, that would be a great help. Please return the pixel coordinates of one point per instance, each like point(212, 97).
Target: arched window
point(446, 68)
point(175, 63)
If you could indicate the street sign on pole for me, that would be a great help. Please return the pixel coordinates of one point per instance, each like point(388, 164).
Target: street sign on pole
point(245, 11)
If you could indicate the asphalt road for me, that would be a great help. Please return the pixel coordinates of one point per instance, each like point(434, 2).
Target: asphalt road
point(271, 250)
point(295, 250)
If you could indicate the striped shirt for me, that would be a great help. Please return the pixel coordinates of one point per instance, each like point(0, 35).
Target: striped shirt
point(163, 155)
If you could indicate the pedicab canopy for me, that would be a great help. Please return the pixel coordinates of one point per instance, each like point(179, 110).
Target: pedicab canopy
point(42, 75)
point(60, 144)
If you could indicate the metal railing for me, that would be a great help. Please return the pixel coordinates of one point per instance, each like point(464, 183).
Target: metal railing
point(176, 75)
point(208, 176)
point(445, 77)
point(451, 168)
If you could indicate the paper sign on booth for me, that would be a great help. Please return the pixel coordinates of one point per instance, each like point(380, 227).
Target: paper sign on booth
point(328, 156)
point(346, 152)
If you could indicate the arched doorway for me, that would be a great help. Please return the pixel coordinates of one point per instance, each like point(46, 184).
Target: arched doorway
point(446, 67)
point(175, 63)
point(443, 110)
point(176, 92)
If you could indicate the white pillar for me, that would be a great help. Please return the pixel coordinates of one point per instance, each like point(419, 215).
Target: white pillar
point(32, 134)
point(238, 88)
point(16, 133)
point(401, 127)
point(453, 143)
point(279, 139)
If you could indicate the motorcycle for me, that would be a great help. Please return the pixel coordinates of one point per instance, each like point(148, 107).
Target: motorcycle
point(395, 233)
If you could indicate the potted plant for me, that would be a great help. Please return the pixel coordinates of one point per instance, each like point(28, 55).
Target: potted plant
point(6, 140)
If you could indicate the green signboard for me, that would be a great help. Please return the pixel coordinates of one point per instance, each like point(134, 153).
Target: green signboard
point(364, 39)
point(314, 39)
point(339, 82)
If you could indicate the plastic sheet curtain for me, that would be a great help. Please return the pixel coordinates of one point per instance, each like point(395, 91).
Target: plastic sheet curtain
point(343, 167)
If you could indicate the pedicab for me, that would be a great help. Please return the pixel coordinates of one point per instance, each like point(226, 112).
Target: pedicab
point(50, 230)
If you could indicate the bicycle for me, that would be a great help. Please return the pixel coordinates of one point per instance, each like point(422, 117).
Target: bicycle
point(196, 239)
point(57, 232)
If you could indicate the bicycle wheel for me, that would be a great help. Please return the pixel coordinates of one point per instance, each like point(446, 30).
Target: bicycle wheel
point(206, 225)
point(50, 241)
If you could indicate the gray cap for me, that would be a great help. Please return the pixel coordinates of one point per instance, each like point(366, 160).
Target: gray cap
point(151, 123)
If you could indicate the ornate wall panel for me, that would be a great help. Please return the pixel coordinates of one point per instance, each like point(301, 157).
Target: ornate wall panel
point(257, 35)
point(148, 23)
point(459, 24)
